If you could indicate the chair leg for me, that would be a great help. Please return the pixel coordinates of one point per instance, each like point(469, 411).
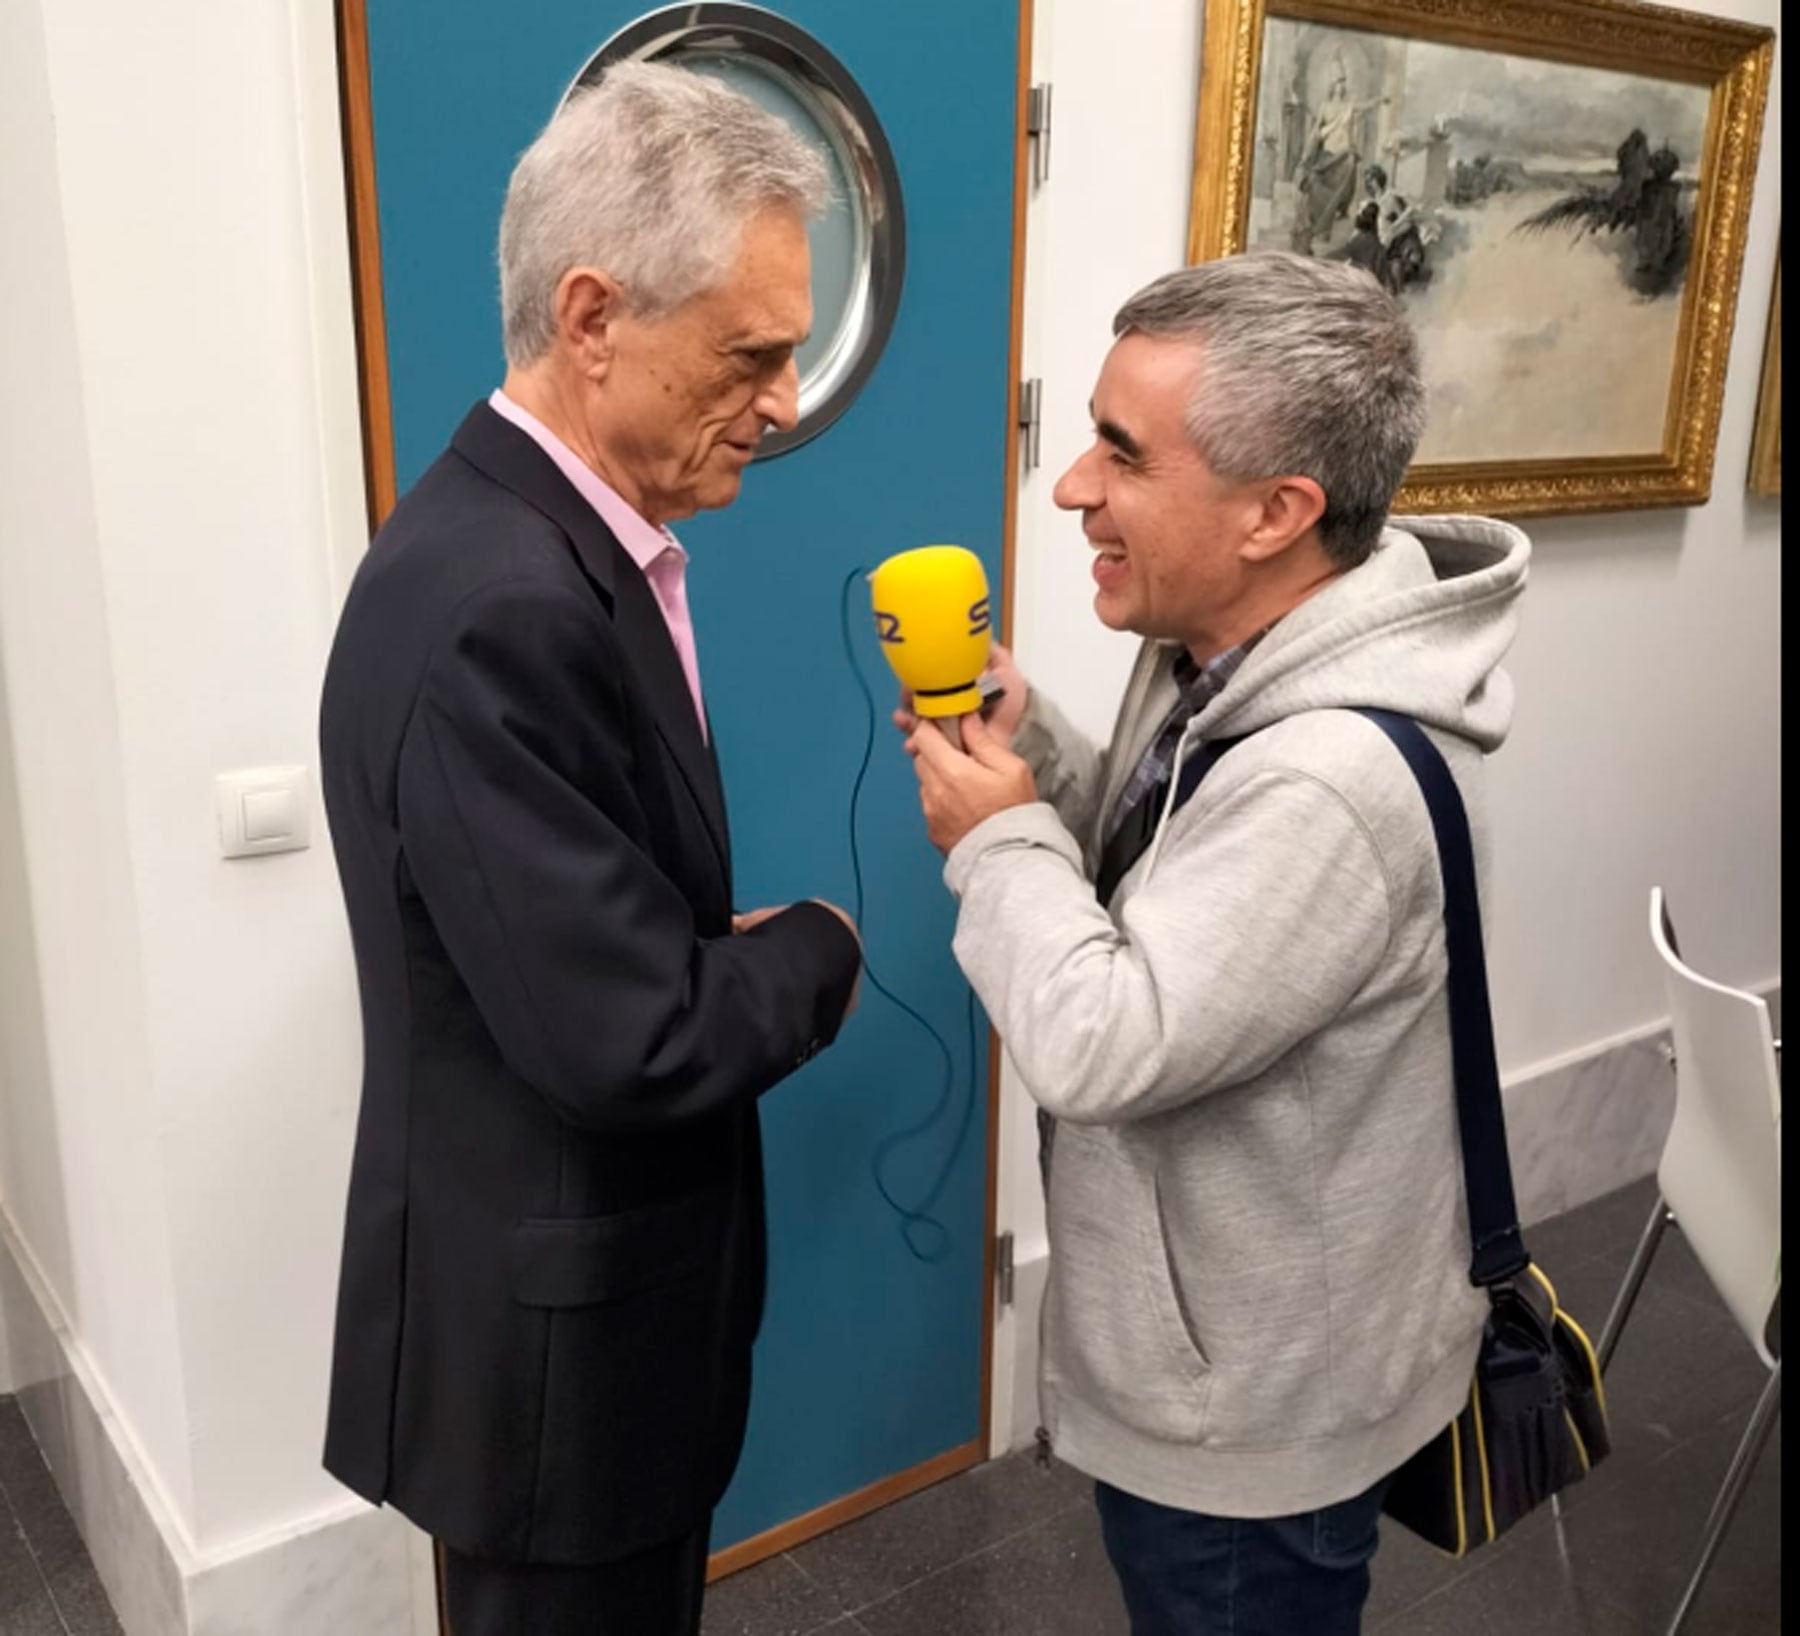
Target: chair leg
point(1756, 1434)
point(1654, 1228)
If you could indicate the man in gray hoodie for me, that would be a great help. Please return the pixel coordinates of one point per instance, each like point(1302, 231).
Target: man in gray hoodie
point(1233, 1006)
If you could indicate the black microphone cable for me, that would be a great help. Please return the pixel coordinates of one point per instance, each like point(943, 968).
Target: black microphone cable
point(916, 1221)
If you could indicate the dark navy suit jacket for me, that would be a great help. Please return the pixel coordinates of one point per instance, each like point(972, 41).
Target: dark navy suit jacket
point(553, 1248)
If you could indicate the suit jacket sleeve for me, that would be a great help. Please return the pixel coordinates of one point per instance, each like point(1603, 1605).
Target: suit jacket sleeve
point(517, 817)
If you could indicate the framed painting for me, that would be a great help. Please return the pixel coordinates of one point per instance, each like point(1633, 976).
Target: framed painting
point(1558, 192)
point(1765, 446)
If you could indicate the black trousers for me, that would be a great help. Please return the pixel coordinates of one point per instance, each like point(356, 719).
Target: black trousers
point(652, 1593)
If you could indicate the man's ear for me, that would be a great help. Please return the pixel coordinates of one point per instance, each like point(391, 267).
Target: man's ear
point(589, 305)
point(1291, 508)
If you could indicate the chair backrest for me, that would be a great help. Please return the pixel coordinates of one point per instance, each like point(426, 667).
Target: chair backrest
point(1721, 1166)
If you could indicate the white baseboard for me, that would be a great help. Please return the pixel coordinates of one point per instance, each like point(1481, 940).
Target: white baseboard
point(347, 1571)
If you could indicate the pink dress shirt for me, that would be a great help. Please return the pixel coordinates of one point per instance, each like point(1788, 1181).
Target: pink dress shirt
point(655, 550)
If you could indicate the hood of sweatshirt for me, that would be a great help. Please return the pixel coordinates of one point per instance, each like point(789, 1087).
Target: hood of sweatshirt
point(1419, 628)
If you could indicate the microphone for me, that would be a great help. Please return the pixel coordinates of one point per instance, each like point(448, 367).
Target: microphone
point(935, 623)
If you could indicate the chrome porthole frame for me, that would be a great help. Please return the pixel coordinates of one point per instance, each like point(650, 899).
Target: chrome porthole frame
point(823, 86)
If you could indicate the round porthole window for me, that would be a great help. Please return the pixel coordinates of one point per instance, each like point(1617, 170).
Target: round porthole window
point(859, 244)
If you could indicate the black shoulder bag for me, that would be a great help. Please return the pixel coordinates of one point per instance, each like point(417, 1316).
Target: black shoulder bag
point(1535, 1419)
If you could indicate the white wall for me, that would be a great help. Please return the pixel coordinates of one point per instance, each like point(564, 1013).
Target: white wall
point(80, 1127)
point(177, 1149)
point(21, 1013)
point(1646, 747)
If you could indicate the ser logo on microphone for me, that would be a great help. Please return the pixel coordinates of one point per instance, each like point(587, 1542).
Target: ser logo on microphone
point(887, 625)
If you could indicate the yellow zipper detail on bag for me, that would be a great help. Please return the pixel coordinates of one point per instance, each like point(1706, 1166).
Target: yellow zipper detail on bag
point(1462, 1525)
point(1580, 1447)
point(1587, 1346)
point(1487, 1492)
point(1558, 1315)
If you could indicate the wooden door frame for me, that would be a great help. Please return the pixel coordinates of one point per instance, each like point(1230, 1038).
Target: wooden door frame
point(380, 486)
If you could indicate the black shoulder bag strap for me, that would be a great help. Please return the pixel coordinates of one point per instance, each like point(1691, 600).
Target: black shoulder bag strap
point(1497, 1246)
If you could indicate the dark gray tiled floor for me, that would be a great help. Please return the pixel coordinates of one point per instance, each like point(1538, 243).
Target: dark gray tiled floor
point(1010, 1549)
point(47, 1584)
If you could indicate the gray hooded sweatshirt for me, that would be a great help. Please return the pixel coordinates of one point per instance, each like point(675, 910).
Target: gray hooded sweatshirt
point(1259, 1298)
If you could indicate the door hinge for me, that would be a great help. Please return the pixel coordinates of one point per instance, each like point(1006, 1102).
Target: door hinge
point(1003, 1267)
point(1031, 397)
point(1037, 132)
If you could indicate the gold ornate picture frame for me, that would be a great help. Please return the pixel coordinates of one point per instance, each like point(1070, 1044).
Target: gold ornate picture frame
point(1765, 446)
point(1558, 190)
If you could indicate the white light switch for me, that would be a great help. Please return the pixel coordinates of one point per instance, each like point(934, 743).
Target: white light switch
point(268, 815)
point(265, 809)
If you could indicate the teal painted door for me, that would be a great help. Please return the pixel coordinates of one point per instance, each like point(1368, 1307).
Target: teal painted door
point(870, 1360)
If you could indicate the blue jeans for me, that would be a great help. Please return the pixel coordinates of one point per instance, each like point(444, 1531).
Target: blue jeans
point(1185, 1574)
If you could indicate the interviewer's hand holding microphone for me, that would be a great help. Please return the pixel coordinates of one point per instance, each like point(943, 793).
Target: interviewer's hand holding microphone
point(933, 616)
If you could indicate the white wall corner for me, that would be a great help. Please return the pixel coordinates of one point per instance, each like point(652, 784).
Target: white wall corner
point(132, 1530)
point(73, 1051)
point(205, 1183)
point(344, 1569)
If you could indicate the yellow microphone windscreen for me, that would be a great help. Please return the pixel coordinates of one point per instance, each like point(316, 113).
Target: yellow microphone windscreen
point(935, 624)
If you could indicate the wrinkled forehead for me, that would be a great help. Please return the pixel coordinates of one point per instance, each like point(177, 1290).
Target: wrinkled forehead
point(765, 297)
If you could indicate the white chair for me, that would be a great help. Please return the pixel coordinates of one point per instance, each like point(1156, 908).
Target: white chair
point(1719, 1180)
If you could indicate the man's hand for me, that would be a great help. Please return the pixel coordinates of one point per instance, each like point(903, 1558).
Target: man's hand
point(1002, 716)
point(958, 789)
point(753, 918)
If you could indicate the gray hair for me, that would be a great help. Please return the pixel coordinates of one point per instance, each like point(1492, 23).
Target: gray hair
point(1309, 369)
point(649, 175)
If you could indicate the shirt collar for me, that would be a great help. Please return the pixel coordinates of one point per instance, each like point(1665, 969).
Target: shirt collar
point(643, 541)
point(1217, 670)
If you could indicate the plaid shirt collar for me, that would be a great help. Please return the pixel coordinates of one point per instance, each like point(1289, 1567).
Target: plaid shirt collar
point(1197, 686)
point(1201, 684)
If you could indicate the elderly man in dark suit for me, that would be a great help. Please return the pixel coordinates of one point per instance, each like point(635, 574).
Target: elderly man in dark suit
point(553, 1255)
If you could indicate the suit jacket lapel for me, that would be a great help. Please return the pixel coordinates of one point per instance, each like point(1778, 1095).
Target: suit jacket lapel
point(712, 751)
point(644, 634)
point(498, 448)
